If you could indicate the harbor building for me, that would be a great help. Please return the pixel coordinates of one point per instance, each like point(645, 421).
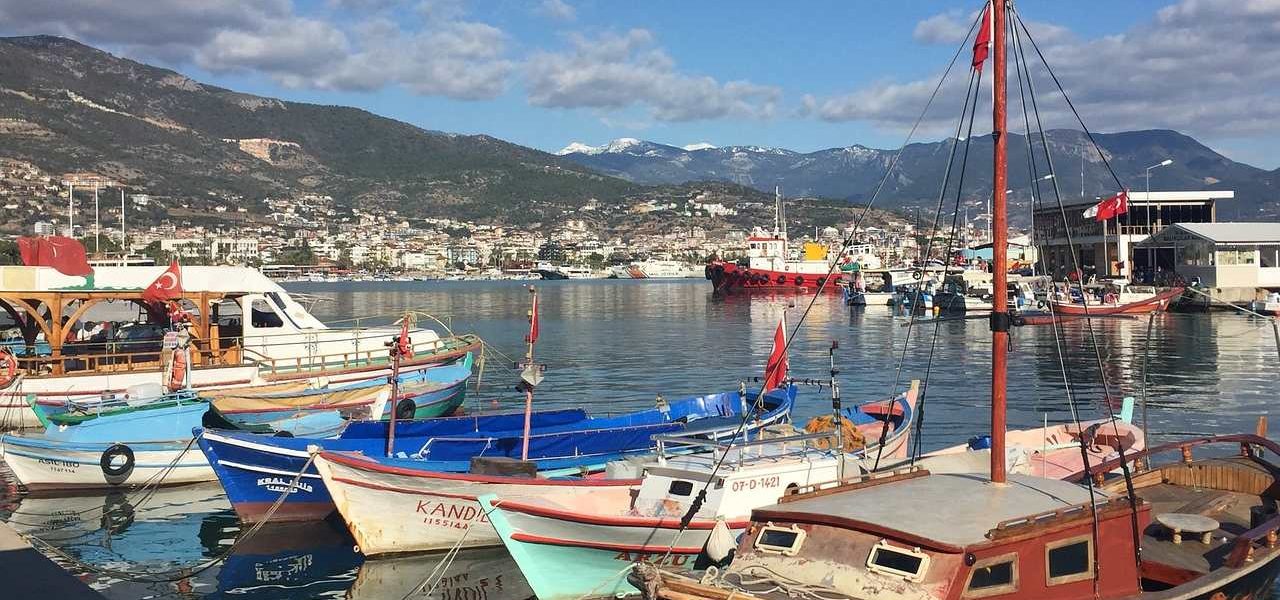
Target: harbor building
point(1237, 261)
point(1105, 252)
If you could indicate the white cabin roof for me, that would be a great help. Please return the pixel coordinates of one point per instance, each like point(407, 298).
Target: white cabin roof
point(956, 509)
point(194, 279)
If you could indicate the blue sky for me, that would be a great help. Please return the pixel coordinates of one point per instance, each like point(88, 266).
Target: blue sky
point(800, 75)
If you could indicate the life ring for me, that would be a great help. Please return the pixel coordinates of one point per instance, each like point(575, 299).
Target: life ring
point(117, 474)
point(178, 372)
point(8, 368)
point(283, 434)
point(782, 279)
point(799, 281)
point(821, 281)
point(405, 408)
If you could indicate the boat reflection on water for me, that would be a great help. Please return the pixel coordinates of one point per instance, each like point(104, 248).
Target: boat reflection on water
point(314, 559)
point(474, 574)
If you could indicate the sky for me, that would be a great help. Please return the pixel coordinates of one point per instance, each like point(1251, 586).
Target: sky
point(803, 75)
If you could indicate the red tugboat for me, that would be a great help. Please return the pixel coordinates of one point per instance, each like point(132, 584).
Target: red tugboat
point(768, 267)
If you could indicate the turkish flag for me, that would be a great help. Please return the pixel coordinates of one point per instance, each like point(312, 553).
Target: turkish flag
point(167, 286)
point(775, 369)
point(982, 43)
point(1113, 206)
point(64, 254)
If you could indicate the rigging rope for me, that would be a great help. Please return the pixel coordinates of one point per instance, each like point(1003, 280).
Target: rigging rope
point(1124, 465)
point(825, 281)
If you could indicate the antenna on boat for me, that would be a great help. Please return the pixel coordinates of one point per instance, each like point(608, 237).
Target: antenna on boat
point(777, 211)
point(530, 373)
point(1000, 320)
point(836, 410)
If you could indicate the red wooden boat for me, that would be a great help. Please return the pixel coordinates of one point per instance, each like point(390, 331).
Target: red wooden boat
point(1159, 301)
point(767, 266)
point(1192, 529)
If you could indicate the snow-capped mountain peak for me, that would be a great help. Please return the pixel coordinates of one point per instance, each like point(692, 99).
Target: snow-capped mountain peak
point(699, 146)
point(579, 148)
point(621, 144)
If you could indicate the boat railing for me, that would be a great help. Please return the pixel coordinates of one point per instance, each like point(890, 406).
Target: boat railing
point(850, 483)
point(393, 319)
point(688, 440)
point(1246, 544)
point(370, 357)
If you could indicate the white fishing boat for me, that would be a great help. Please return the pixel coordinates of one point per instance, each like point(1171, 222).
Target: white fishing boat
point(390, 509)
point(657, 269)
point(245, 330)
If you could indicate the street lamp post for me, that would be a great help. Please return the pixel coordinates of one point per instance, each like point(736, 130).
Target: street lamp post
point(1151, 252)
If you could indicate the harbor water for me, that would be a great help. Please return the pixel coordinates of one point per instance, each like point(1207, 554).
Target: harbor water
point(615, 345)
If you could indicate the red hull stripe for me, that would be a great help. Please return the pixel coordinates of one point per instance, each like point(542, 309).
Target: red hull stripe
point(114, 390)
point(309, 407)
point(614, 521)
point(529, 538)
point(368, 465)
point(401, 490)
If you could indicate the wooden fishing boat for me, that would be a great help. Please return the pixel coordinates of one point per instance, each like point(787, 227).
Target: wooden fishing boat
point(1207, 529)
point(601, 538)
point(1159, 301)
point(127, 449)
point(252, 469)
point(1053, 451)
point(245, 330)
point(422, 393)
point(1191, 528)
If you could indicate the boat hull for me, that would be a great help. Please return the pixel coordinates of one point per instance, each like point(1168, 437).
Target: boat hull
point(727, 277)
point(542, 541)
point(1160, 301)
point(254, 475)
point(390, 510)
point(46, 467)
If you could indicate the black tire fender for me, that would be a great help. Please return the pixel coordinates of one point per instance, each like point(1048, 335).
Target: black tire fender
point(405, 409)
point(117, 474)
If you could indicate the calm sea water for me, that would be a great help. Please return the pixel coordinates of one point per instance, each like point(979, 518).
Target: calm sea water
point(614, 346)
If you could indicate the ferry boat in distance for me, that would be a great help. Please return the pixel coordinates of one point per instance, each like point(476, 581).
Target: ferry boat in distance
point(550, 272)
point(654, 269)
point(768, 266)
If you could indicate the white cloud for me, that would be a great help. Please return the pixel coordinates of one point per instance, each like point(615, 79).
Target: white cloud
point(618, 70)
point(361, 46)
point(558, 10)
point(1206, 67)
point(945, 28)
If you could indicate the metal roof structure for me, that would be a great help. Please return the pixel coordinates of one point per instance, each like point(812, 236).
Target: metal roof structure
point(1227, 233)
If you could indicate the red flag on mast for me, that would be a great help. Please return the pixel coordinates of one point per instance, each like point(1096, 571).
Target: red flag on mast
point(775, 369)
point(982, 43)
point(1109, 208)
point(64, 254)
point(167, 286)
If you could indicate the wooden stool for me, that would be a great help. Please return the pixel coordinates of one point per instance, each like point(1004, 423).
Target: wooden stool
point(1180, 522)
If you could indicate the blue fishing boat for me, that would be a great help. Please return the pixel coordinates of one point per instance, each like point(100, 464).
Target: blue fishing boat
point(256, 470)
point(423, 393)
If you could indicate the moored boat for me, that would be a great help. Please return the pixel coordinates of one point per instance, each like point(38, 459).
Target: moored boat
point(245, 330)
point(1158, 301)
point(682, 503)
point(253, 469)
point(769, 267)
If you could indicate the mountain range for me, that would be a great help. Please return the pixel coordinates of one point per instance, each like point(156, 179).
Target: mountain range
point(853, 172)
point(67, 107)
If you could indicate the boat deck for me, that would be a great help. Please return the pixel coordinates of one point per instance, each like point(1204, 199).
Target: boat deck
point(1223, 489)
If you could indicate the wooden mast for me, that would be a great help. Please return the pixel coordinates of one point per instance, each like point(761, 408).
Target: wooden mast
point(1000, 244)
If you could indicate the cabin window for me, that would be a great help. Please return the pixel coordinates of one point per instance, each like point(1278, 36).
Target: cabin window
point(993, 576)
point(263, 316)
point(680, 488)
point(780, 540)
point(1069, 560)
point(899, 562)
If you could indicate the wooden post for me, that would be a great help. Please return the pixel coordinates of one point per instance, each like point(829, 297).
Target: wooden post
point(1186, 454)
point(1000, 243)
point(1261, 429)
point(59, 333)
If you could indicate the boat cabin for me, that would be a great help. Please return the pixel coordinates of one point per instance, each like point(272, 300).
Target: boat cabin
point(890, 536)
point(751, 474)
point(237, 316)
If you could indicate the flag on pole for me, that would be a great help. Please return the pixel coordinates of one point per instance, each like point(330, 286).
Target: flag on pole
point(64, 254)
point(1110, 207)
point(982, 43)
point(533, 322)
point(775, 369)
point(167, 286)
